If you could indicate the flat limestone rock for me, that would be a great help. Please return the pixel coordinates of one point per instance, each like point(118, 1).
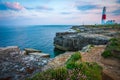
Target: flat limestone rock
point(30, 50)
point(9, 49)
point(40, 54)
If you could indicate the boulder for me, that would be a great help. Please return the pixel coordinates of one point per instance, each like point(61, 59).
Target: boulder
point(24, 53)
point(30, 50)
point(86, 48)
point(40, 54)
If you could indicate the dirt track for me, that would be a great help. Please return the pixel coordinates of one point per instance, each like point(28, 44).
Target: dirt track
point(111, 66)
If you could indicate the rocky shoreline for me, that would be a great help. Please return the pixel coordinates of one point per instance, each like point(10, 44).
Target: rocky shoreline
point(16, 65)
point(83, 36)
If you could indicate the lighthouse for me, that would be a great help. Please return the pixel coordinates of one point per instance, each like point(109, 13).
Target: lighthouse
point(103, 21)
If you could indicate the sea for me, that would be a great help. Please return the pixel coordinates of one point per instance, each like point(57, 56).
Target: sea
point(40, 37)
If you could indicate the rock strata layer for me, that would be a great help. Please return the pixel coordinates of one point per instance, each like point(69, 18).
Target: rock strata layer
point(73, 41)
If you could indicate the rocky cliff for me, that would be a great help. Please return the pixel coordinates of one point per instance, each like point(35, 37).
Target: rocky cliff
point(73, 41)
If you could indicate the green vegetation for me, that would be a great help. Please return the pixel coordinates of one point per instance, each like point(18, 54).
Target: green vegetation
point(75, 69)
point(76, 56)
point(110, 26)
point(71, 63)
point(92, 71)
point(112, 49)
point(92, 45)
point(105, 26)
point(77, 30)
point(51, 74)
point(106, 54)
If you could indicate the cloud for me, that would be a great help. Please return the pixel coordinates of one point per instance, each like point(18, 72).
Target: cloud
point(116, 12)
point(65, 13)
point(44, 8)
point(28, 8)
point(11, 6)
point(40, 8)
point(86, 7)
point(118, 1)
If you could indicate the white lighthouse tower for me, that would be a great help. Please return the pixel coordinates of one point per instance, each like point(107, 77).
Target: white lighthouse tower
point(103, 21)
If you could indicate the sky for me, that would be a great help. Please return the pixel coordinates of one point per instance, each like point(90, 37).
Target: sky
point(57, 12)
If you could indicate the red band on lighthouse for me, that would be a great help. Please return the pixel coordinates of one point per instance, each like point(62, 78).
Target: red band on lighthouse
point(103, 16)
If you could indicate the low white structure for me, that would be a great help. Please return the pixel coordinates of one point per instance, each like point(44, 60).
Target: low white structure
point(110, 22)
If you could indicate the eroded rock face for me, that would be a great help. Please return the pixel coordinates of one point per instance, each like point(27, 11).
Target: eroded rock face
point(72, 41)
point(14, 65)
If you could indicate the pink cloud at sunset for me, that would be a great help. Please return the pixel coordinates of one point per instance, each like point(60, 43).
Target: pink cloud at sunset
point(61, 12)
point(11, 6)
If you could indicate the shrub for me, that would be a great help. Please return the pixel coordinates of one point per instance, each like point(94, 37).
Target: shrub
point(106, 54)
point(71, 63)
point(59, 74)
point(76, 56)
point(113, 39)
point(114, 42)
point(112, 49)
point(92, 45)
point(92, 70)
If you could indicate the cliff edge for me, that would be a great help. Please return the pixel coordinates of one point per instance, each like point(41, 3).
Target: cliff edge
point(83, 36)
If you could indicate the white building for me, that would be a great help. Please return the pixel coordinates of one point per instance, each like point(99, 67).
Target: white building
point(110, 22)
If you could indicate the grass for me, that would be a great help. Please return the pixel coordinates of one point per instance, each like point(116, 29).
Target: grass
point(106, 54)
point(105, 26)
point(76, 29)
point(92, 71)
point(51, 74)
point(72, 71)
point(110, 26)
point(71, 63)
point(76, 56)
point(112, 49)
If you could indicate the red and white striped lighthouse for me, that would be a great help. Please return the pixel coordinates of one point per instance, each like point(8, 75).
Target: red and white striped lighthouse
point(103, 21)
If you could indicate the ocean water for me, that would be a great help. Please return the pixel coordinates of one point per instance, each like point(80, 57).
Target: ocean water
point(37, 37)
